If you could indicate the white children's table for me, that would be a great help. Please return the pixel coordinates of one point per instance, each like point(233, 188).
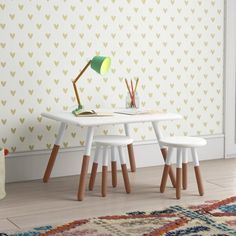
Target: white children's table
point(91, 123)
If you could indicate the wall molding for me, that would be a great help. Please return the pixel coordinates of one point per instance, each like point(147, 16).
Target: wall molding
point(230, 78)
point(24, 166)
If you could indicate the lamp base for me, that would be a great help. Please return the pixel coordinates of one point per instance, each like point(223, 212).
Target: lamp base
point(78, 109)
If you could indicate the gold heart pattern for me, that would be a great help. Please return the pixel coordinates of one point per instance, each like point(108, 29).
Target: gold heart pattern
point(174, 47)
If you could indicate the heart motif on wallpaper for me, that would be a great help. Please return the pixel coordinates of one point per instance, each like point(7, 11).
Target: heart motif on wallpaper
point(174, 48)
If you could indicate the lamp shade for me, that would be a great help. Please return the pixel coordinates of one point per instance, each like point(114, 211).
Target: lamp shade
point(101, 64)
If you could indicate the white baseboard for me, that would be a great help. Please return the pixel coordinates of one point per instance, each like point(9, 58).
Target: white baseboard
point(31, 165)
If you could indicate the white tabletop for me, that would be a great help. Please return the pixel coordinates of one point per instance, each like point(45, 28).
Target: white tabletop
point(115, 118)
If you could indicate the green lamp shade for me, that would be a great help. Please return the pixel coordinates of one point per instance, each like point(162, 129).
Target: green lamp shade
point(101, 64)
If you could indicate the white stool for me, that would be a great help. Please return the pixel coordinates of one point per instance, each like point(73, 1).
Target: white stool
point(105, 142)
point(182, 144)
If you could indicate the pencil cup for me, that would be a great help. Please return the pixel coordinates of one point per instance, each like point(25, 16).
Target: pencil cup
point(132, 102)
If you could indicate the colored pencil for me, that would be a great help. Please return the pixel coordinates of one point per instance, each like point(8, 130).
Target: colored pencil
point(136, 85)
point(133, 94)
point(130, 94)
point(128, 88)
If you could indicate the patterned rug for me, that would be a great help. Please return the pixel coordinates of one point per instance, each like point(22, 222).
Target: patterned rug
point(214, 218)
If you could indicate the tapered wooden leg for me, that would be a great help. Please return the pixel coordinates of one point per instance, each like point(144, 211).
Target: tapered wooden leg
point(131, 157)
point(126, 178)
point(104, 181)
point(54, 152)
point(171, 172)
point(114, 173)
point(164, 178)
point(184, 171)
point(199, 180)
point(178, 183)
point(197, 171)
point(93, 176)
point(51, 163)
point(82, 180)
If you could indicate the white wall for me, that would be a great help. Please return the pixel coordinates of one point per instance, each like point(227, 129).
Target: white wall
point(174, 47)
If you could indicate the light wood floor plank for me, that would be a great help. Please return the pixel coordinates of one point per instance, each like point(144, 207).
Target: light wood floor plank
point(6, 225)
point(34, 203)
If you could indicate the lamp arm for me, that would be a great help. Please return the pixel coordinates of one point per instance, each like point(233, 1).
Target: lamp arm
point(76, 79)
point(82, 71)
point(77, 95)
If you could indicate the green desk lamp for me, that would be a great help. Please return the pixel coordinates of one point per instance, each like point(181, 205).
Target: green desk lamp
point(101, 65)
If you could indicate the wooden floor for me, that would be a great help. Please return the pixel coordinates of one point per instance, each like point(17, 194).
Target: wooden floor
point(34, 203)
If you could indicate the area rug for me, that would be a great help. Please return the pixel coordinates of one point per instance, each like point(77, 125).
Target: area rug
point(214, 218)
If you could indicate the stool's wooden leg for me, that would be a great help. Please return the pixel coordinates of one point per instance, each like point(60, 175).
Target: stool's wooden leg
point(113, 167)
point(130, 150)
point(124, 170)
point(185, 169)
point(131, 157)
point(104, 181)
point(178, 173)
point(104, 171)
point(126, 178)
point(54, 152)
point(158, 134)
point(114, 173)
point(199, 180)
point(197, 171)
point(178, 183)
point(185, 174)
point(94, 168)
point(93, 176)
point(166, 170)
point(171, 172)
point(164, 178)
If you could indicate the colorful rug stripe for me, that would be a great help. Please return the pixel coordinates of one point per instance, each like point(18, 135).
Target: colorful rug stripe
point(214, 218)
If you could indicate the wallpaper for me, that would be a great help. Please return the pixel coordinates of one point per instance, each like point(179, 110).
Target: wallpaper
point(174, 47)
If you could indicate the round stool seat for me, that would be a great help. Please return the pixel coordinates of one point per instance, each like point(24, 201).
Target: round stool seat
point(113, 140)
point(183, 141)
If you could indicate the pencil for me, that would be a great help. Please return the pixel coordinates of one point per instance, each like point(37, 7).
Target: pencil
point(128, 88)
point(132, 88)
point(136, 85)
point(133, 94)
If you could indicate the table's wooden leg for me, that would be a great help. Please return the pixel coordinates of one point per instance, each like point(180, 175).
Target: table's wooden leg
point(83, 175)
point(171, 172)
point(163, 151)
point(85, 163)
point(54, 153)
point(130, 150)
point(164, 178)
point(51, 162)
